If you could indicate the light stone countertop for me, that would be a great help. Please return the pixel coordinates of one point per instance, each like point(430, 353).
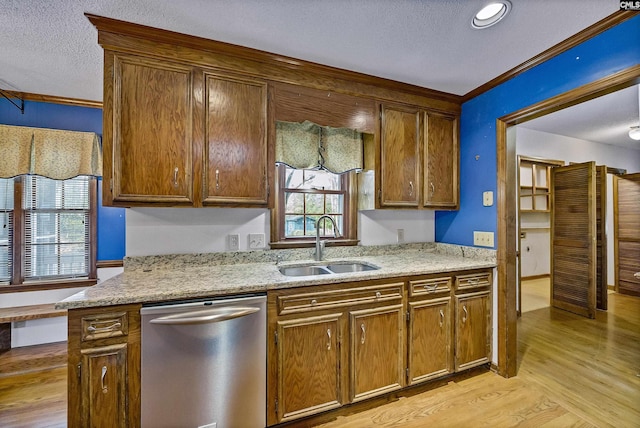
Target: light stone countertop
point(158, 279)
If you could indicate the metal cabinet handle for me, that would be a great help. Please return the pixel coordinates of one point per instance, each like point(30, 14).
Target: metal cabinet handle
point(411, 188)
point(217, 179)
point(175, 176)
point(441, 318)
point(433, 188)
point(314, 302)
point(378, 294)
point(431, 288)
point(329, 342)
point(466, 314)
point(102, 385)
point(363, 336)
point(112, 327)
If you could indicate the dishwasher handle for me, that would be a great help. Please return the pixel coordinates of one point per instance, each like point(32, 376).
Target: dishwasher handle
point(206, 316)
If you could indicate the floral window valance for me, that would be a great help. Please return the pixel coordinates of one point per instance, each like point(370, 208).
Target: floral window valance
point(49, 153)
point(307, 145)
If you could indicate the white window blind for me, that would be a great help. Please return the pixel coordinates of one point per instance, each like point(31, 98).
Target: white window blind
point(6, 229)
point(56, 228)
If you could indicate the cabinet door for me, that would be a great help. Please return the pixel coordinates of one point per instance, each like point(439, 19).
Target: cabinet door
point(441, 161)
point(377, 363)
point(430, 352)
point(103, 386)
point(235, 170)
point(473, 330)
point(309, 376)
point(148, 133)
point(400, 157)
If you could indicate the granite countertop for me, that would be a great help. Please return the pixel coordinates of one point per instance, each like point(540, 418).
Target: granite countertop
point(155, 279)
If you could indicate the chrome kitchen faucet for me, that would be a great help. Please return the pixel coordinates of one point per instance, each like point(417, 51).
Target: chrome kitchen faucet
point(320, 244)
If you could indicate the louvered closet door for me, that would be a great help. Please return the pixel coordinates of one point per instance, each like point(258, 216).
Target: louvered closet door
point(626, 193)
point(573, 244)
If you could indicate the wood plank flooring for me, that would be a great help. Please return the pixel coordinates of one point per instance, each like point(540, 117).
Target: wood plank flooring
point(573, 372)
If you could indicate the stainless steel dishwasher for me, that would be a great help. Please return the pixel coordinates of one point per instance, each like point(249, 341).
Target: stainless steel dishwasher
point(204, 364)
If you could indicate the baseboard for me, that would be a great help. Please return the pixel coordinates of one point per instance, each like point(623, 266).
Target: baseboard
point(528, 278)
point(611, 287)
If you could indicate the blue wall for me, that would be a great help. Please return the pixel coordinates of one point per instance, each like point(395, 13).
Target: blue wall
point(609, 52)
point(111, 230)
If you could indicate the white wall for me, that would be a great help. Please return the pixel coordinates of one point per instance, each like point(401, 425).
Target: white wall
point(552, 146)
point(46, 330)
point(152, 231)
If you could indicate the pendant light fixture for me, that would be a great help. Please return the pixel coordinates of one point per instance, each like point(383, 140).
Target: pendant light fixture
point(634, 132)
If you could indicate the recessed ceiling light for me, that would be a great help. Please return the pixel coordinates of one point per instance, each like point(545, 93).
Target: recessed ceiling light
point(491, 14)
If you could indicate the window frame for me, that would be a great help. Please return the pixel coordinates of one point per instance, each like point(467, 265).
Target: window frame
point(17, 282)
point(349, 236)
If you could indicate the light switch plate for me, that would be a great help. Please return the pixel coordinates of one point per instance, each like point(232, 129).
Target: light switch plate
point(483, 239)
point(487, 198)
point(256, 241)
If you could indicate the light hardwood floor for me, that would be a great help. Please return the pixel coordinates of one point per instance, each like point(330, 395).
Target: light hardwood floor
point(573, 372)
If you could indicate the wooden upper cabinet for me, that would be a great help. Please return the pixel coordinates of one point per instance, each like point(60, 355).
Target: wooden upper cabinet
point(147, 132)
point(441, 161)
point(400, 141)
point(235, 168)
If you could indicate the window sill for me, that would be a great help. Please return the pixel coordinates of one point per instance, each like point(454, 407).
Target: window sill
point(310, 243)
point(47, 285)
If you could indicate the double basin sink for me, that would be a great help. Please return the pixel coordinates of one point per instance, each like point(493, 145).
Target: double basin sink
point(326, 269)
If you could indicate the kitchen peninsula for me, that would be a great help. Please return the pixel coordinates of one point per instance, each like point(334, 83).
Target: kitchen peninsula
point(438, 293)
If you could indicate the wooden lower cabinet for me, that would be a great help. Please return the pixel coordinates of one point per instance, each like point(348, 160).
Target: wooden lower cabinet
point(103, 380)
point(377, 351)
point(429, 339)
point(473, 329)
point(104, 367)
point(309, 366)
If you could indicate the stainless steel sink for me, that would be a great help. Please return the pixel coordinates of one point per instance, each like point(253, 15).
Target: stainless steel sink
point(304, 270)
point(326, 269)
point(350, 267)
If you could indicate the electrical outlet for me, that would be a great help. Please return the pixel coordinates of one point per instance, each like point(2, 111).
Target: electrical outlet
point(256, 241)
point(233, 242)
point(483, 239)
point(400, 236)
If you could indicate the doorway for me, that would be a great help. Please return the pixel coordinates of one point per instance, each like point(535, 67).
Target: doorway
point(507, 218)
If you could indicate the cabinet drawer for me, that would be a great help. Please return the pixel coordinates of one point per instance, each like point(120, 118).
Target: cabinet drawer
point(421, 287)
point(101, 326)
point(294, 303)
point(474, 280)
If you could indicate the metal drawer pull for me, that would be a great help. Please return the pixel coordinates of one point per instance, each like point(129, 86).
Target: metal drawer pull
point(441, 318)
point(466, 314)
point(474, 281)
point(217, 179)
point(362, 337)
point(175, 176)
point(104, 374)
point(112, 327)
point(329, 342)
point(411, 188)
point(433, 188)
point(431, 288)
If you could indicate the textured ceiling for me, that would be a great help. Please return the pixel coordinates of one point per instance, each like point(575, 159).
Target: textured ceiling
point(49, 47)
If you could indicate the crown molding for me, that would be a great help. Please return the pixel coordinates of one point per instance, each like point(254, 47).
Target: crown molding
point(589, 32)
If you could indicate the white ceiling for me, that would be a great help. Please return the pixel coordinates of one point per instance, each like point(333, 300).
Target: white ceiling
point(603, 120)
point(49, 47)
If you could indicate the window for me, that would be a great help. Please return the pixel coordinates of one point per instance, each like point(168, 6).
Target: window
point(48, 232)
point(302, 196)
